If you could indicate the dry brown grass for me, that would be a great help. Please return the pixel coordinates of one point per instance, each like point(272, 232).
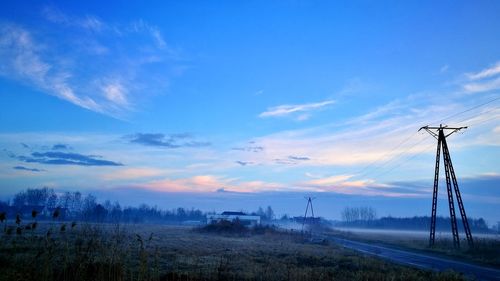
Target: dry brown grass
point(109, 252)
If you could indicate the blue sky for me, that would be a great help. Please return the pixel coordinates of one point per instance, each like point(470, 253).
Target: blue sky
point(262, 99)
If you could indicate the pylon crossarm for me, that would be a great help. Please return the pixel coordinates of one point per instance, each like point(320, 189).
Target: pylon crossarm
point(444, 128)
point(435, 134)
point(430, 132)
point(454, 130)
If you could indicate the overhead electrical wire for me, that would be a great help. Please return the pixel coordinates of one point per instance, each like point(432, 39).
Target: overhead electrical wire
point(395, 157)
point(383, 155)
point(404, 162)
point(363, 171)
point(476, 115)
point(467, 110)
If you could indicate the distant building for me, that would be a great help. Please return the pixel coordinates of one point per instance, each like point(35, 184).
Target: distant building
point(233, 216)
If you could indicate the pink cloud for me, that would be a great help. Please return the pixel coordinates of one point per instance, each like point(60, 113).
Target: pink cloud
point(133, 173)
point(211, 183)
point(342, 184)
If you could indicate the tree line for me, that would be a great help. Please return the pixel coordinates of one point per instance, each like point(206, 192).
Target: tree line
point(366, 217)
point(75, 206)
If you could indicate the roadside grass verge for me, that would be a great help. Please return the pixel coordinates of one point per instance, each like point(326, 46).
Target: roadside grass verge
point(485, 251)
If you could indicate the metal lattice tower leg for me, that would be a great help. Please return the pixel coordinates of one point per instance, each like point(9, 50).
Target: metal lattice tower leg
point(312, 210)
point(434, 196)
point(305, 215)
point(460, 203)
point(453, 218)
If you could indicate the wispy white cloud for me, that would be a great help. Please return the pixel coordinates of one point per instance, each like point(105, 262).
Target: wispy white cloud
point(83, 60)
point(140, 26)
point(288, 109)
point(330, 180)
point(303, 117)
point(344, 184)
point(483, 86)
point(88, 22)
point(444, 68)
point(23, 60)
point(116, 93)
point(483, 81)
point(485, 73)
point(383, 112)
point(387, 133)
point(92, 23)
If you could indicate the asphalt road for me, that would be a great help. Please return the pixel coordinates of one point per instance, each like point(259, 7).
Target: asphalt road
point(423, 261)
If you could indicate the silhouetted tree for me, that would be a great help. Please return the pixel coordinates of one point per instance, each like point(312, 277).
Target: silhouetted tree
point(37, 197)
point(269, 213)
point(89, 204)
point(19, 199)
point(116, 212)
point(99, 213)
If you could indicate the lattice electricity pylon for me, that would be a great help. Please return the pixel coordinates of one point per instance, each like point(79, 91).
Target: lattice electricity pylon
point(438, 133)
point(309, 203)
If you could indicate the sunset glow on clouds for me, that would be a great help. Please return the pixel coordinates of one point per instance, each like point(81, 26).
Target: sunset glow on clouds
point(210, 183)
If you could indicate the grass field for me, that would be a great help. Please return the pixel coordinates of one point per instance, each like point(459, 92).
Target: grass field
point(154, 252)
point(486, 250)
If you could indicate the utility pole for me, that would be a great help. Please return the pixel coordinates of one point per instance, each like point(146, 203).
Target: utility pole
point(439, 134)
point(309, 203)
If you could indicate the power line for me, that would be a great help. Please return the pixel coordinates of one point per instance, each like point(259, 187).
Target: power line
point(476, 115)
point(403, 162)
point(362, 171)
point(484, 121)
point(467, 110)
point(394, 158)
point(383, 155)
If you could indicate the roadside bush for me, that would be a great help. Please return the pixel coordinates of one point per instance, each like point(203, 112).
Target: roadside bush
point(236, 228)
point(225, 227)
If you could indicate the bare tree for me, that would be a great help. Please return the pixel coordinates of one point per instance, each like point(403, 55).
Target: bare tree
point(352, 214)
